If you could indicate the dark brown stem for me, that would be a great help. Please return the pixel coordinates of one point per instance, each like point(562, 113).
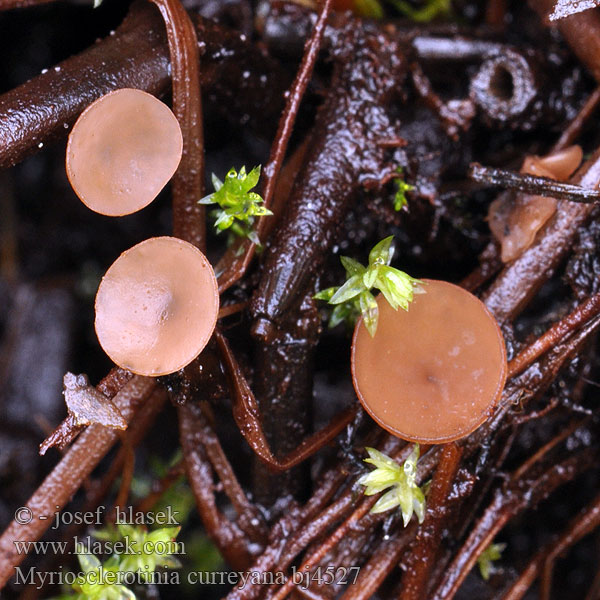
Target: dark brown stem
point(454, 119)
point(531, 184)
point(137, 56)
point(573, 130)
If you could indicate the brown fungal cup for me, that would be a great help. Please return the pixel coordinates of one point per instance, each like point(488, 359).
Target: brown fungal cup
point(515, 223)
point(431, 374)
point(122, 151)
point(157, 306)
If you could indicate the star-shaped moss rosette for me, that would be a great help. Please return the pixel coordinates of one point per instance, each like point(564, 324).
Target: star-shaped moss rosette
point(238, 206)
point(485, 560)
point(149, 549)
point(96, 580)
point(399, 480)
point(355, 298)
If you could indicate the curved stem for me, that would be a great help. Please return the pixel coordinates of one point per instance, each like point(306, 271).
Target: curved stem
point(188, 181)
point(238, 257)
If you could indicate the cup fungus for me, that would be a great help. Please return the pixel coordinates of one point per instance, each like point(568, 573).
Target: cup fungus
point(122, 151)
point(157, 306)
point(515, 224)
point(433, 373)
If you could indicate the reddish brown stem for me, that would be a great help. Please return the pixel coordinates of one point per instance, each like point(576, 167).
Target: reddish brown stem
point(160, 487)
point(554, 335)
point(231, 309)
point(250, 519)
point(188, 181)
point(505, 506)
point(575, 127)
point(144, 419)
point(385, 558)
point(97, 490)
point(228, 537)
point(238, 257)
point(64, 480)
point(247, 417)
point(126, 473)
point(587, 520)
point(68, 429)
point(364, 506)
point(426, 544)
point(584, 524)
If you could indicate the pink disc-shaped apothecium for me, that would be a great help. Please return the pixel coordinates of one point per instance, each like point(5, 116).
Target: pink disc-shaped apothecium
point(157, 306)
point(431, 374)
point(122, 151)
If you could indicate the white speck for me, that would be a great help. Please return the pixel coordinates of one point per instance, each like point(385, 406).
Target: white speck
point(57, 69)
point(66, 125)
point(41, 145)
point(243, 37)
point(263, 79)
point(246, 74)
point(468, 337)
point(113, 32)
point(286, 94)
point(455, 351)
point(336, 249)
point(44, 71)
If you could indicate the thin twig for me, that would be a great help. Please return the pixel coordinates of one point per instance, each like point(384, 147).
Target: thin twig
point(188, 181)
point(238, 257)
point(554, 335)
point(531, 184)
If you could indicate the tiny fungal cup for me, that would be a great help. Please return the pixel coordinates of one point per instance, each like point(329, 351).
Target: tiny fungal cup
point(157, 306)
point(431, 374)
point(122, 151)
